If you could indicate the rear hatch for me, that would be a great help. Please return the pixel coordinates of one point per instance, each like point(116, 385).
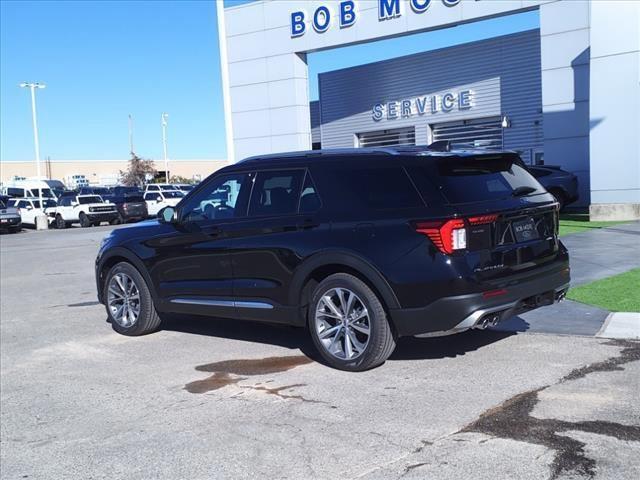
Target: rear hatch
point(510, 222)
point(134, 205)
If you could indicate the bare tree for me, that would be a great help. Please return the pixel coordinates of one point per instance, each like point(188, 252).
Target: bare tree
point(139, 169)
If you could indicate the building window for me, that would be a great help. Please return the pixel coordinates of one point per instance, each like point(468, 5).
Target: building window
point(387, 138)
point(483, 132)
point(538, 157)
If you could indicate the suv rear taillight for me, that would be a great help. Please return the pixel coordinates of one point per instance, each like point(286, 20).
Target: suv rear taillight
point(451, 235)
point(447, 236)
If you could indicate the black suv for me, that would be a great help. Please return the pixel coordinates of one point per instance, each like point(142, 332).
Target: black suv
point(131, 207)
point(361, 246)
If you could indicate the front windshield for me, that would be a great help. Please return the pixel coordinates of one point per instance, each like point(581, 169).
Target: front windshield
point(89, 199)
point(173, 194)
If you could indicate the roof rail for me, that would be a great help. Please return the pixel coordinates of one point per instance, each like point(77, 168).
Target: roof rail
point(440, 146)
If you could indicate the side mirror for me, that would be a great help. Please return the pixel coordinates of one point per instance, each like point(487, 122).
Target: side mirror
point(159, 198)
point(74, 204)
point(168, 215)
point(29, 207)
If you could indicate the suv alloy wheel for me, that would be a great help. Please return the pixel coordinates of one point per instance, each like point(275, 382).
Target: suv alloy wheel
point(348, 324)
point(129, 303)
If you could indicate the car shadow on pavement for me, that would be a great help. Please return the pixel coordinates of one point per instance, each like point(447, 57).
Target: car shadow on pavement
point(451, 346)
point(408, 348)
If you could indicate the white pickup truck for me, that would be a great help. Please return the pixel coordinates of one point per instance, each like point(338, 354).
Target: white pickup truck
point(86, 210)
point(157, 200)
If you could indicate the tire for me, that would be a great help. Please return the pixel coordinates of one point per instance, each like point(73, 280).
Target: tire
point(380, 342)
point(84, 220)
point(60, 223)
point(117, 221)
point(147, 319)
point(559, 196)
point(96, 224)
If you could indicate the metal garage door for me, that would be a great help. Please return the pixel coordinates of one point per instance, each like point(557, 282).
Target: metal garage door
point(387, 138)
point(485, 132)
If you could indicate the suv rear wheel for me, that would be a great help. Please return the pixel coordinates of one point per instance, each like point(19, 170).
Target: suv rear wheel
point(349, 325)
point(129, 302)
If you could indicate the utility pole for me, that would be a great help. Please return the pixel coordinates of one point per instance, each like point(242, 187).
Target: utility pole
point(32, 86)
point(164, 117)
point(131, 134)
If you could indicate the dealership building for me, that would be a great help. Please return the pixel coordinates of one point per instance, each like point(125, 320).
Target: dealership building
point(565, 94)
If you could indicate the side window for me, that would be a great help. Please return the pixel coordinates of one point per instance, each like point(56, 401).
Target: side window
point(276, 193)
point(219, 200)
point(153, 188)
point(150, 196)
point(383, 188)
point(309, 198)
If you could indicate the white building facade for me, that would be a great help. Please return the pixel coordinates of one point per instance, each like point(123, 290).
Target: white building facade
point(582, 112)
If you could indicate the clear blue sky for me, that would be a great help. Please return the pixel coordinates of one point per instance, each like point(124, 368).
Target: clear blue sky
point(103, 60)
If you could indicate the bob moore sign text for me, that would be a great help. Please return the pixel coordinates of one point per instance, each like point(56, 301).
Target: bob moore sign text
point(428, 104)
point(347, 13)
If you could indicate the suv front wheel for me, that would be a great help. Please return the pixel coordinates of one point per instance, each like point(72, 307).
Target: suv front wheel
point(129, 303)
point(348, 324)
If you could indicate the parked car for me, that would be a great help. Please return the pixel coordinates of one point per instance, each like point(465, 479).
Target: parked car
point(131, 207)
point(184, 187)
point(362, 246)
point(28, 189)
point(157, 200)
point(104, 192)
point(86, 210)
point(120, 190)
point(157, 187)
point(30, 208)
point(10, 220)
point(561, 184)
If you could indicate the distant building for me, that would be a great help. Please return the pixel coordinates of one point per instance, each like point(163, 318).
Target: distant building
point(99, 172)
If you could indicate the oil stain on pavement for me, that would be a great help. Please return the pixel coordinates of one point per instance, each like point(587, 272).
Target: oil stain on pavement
point(512, 420)
point(229, 372)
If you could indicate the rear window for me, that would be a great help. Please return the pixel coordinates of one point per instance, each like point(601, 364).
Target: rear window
point(89, 199)
point(133, 199)
point(475, 179)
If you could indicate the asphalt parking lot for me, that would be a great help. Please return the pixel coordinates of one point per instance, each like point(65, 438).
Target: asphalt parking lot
point(207, 398)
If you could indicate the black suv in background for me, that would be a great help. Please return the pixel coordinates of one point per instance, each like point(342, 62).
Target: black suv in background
point(131, 207)
point(559, 183)
point(362, 246)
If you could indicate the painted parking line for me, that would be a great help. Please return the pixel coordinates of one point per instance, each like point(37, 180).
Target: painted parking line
point(621, 325)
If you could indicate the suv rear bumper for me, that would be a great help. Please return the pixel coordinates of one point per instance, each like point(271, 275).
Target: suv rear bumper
point(477, 310)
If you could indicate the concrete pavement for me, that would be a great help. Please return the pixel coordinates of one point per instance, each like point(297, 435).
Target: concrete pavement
point(208, 398)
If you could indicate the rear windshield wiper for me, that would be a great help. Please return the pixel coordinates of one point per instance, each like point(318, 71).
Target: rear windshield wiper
point(521, 191)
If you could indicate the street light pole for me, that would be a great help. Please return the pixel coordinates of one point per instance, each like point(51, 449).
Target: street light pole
point(32, 86)
point(164, 145)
